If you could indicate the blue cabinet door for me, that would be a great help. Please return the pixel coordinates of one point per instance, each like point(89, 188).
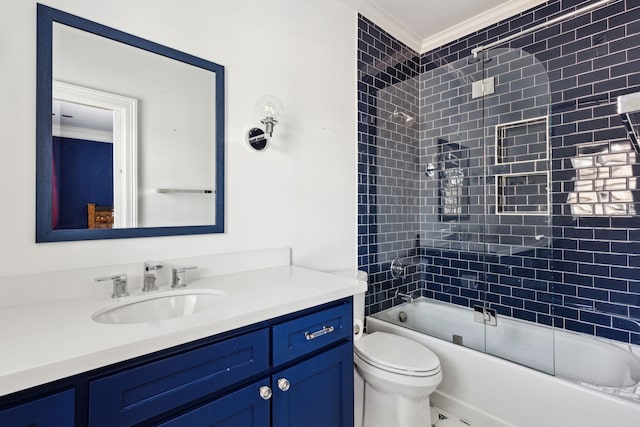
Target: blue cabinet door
point(52, 411)
point(138, 394)
point(320, 391)
point(243, 408)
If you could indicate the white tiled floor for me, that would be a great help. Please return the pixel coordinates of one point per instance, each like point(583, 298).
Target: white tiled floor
point(440, 418)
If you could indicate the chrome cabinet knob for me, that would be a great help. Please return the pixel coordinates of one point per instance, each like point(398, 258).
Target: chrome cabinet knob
point(283, 384)
point(265, 392)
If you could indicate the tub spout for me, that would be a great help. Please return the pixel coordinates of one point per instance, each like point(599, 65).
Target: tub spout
point(405, 297)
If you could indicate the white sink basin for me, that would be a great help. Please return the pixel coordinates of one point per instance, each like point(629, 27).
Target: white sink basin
point(161, 306)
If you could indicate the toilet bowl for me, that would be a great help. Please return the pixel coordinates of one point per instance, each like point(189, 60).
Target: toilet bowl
point(393, 375)
point(399, 374)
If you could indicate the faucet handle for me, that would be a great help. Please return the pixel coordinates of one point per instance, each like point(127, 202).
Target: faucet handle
point(119, 285)
point(150, 278)
point(179, 276)
point(150, 266)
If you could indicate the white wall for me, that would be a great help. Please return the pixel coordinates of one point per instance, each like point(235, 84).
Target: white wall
point(300, 193)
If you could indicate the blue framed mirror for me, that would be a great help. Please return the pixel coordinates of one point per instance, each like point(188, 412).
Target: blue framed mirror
point(129, 137)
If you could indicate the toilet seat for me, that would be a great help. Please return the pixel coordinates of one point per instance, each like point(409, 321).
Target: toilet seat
point(397, 354)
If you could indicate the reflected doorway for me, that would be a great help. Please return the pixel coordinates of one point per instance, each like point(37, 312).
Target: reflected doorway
point(95, 147)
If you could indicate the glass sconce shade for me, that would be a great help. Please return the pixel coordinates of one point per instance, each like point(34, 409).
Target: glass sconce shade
point(270, 109)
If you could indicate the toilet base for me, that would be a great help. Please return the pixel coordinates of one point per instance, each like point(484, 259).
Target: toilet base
point(358, 401)
point(384, 410)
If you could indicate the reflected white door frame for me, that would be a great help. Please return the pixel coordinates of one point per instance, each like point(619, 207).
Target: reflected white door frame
point(125, 142)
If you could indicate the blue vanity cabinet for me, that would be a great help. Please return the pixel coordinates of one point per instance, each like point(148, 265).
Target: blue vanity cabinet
point(56, 410)
point(294, 370)
point(312, 383)
point(317, 392)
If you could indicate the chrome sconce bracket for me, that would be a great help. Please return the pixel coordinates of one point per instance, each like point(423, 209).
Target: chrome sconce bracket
point(257, 139)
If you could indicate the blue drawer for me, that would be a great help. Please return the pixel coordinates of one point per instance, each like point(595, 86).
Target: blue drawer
point(244, 408)
point(138, 394)
point(56, 410)
point(303, 335)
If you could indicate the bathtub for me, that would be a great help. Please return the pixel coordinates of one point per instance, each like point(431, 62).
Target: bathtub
point(596, 382)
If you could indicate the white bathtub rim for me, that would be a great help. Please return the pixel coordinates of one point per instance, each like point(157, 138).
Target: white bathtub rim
point(628, 348)
point(512, 365)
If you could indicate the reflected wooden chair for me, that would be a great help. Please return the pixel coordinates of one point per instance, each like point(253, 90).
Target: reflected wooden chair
point(99, 216)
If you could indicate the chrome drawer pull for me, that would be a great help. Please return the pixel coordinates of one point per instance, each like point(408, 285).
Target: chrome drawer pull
point(325, 330)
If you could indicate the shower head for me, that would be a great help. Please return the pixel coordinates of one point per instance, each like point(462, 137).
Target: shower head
point(627, 105)
point(401, 117)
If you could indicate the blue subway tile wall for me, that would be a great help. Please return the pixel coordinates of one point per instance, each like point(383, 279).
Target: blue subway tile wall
point(573, 263)
point(586, 280)
point(388, 163)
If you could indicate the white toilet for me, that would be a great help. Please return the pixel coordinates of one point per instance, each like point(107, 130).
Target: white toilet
point(394, 377)
point(399, 375)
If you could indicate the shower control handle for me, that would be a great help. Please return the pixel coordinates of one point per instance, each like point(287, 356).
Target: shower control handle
point(398, 269)
point(284, 384)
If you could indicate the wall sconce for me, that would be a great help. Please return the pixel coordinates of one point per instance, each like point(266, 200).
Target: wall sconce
point(269, 109)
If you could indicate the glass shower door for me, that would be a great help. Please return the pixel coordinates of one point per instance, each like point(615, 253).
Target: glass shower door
point(485, 209)
point(516, 101)
point(453, 194)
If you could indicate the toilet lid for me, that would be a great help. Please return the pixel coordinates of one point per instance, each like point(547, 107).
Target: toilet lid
point(397, 354)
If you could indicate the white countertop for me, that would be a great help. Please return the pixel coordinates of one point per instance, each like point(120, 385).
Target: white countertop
point(48, 341)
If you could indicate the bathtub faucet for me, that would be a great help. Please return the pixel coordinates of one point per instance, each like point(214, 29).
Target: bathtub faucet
point(405, 297)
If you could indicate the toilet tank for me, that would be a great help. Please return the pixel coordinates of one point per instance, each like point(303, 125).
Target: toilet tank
point(358, 299)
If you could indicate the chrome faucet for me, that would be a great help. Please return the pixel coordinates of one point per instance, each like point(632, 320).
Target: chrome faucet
point(150, 276)
point(179, 276)
point(119, 285)
point(405, 297)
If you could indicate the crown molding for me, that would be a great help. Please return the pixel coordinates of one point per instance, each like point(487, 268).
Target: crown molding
point(386, 22)
point(381, 18)
point(478, 22)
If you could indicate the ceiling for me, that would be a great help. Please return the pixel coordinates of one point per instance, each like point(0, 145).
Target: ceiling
point(93, 123)
point(426, 24)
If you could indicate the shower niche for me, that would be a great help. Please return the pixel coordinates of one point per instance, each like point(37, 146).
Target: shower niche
point(521, 157)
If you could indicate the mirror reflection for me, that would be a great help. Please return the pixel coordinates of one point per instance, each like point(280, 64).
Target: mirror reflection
point(133, 144)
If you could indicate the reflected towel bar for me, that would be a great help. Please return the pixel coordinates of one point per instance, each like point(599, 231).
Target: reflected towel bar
point(183, 190)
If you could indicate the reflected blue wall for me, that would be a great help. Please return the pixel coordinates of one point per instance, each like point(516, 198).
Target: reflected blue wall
point(84, 173)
